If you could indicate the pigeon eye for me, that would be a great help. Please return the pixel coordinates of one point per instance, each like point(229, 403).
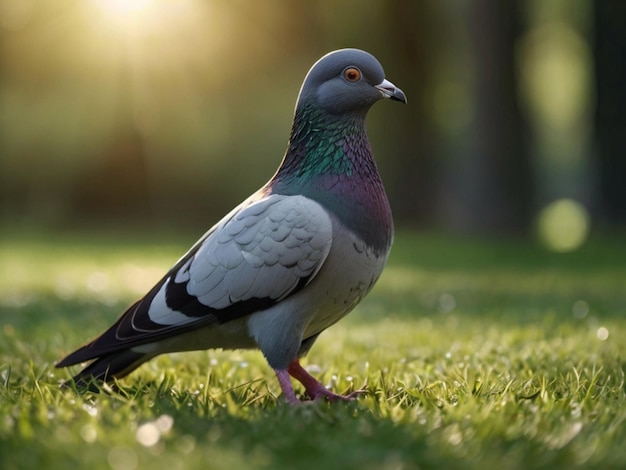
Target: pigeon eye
point(352, 74)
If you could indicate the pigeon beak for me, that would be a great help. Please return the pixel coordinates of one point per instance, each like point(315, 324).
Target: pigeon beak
point(389, 90)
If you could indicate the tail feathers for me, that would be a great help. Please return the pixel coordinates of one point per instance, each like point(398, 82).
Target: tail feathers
point(108, 367)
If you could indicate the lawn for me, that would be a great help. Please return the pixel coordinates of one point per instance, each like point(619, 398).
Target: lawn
point(474, 354)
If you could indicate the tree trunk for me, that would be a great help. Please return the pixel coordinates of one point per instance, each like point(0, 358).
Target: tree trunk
point(610, 119)
point(494, 179)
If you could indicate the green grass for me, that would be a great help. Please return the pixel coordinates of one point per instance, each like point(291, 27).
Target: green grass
point(475, 354)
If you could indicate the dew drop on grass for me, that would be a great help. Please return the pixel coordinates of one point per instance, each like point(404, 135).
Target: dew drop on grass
point(454, 435)
point(88, 433)
point(164, 423)
point(90, 409)
point(148, 434)
point(602, 333)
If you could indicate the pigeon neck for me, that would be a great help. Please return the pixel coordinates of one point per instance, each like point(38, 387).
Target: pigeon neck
point(321, 143)
point(329, 160)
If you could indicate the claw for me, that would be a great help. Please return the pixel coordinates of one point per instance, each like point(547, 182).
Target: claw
point(321, 393)
point(314, 389)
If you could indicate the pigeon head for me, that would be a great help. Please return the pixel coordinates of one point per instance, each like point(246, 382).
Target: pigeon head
point(329, 157)
point(347, 81)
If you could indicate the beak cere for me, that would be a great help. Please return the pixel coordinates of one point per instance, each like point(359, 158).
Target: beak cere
point(389, 90)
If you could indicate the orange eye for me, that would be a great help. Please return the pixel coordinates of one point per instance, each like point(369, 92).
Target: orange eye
point(352, 74)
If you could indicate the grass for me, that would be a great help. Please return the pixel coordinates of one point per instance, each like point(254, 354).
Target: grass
point(474, 353)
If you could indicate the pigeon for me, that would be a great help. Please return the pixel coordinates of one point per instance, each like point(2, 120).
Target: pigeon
point(288, 262)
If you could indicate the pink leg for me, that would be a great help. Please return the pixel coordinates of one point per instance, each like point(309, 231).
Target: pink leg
point(285, 384)
point(313, 388)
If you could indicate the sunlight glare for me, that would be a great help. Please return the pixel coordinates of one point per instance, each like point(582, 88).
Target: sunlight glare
point(136, 18)
point(15, 14)
point(123, 9)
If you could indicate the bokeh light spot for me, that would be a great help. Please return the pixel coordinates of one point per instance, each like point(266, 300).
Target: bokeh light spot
point(122, 458)
point(148, 434)
point(563, 225)
point(89, 433)
point(602, 333)
point(580, 309)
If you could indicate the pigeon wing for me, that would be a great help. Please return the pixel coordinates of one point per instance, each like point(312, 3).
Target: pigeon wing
point(258, 255)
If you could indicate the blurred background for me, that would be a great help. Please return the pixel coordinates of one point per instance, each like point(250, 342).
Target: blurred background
point(155, 113)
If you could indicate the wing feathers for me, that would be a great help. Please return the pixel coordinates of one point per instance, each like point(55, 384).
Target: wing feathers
point(256, 256)
point(273, 243)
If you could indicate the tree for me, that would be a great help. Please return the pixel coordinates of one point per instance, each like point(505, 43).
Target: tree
point(494, 177)
point(610, 119)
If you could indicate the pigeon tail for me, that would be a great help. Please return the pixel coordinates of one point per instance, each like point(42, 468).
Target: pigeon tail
point(108, 367)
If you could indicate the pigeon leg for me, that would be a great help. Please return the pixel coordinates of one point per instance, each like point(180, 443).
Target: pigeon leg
point(285, 384)
point(314, 389)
